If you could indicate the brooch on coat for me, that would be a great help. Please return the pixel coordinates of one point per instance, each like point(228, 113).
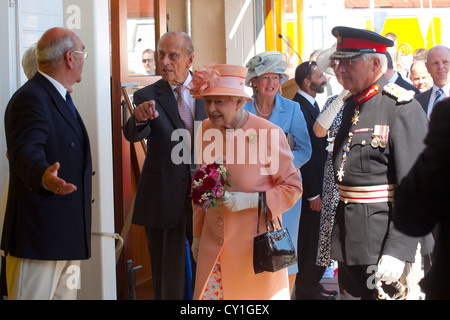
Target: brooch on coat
point(252, 138)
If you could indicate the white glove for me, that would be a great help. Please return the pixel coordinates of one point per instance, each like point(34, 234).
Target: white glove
point(237, 201)
point(194, 247)
point(390, 269)
point(327, 117)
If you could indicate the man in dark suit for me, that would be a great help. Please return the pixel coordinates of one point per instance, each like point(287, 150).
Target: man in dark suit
point(438, 65)
point(395, 77)
point(163, 203)
point(421, 202)
point(311, 81)
point(47, 227)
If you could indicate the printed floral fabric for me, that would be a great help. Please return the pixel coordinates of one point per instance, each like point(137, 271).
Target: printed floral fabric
point(214, 288)
point(330, 197)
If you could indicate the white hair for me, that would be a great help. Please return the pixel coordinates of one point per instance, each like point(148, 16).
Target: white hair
point(29, 61)
point(55, 50)
point(242, 100)
point(383, 59)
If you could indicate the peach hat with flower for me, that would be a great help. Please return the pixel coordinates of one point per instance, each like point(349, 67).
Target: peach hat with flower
point(219, 80)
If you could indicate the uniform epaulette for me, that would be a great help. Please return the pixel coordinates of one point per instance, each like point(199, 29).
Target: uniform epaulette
point(399, 93)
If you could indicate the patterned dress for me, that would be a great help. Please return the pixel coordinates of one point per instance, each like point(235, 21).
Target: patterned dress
point(214, 288)
point(330, 195)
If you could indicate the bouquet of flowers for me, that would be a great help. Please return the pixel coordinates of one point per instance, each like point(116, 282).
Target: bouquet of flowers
point(208, 185)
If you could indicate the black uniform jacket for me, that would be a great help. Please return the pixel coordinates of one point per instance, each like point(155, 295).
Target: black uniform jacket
point(365, 231)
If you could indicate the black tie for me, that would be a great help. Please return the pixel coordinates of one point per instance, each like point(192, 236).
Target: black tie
point(316, 106)
point(70, 103)
point(439, 94)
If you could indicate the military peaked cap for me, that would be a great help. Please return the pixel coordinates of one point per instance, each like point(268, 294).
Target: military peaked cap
point(353, 43)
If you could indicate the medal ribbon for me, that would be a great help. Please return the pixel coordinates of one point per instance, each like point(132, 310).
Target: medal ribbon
point(381, 131)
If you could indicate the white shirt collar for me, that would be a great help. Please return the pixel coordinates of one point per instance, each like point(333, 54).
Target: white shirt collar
point(57, 85)
point(394, 77)
point(186, 82)
point(307, 96)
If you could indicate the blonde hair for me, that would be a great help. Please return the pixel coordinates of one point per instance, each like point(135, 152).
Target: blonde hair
point(29, 62)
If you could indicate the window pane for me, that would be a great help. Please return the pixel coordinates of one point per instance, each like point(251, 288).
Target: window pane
point(141, 37)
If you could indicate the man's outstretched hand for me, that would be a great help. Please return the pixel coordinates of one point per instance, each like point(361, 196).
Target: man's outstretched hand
point(55, 184)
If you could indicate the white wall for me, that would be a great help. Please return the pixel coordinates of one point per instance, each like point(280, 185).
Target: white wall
point(240, 31)
point(7, 79)
point(33, 18)
point(7, 83)
point(90, 20)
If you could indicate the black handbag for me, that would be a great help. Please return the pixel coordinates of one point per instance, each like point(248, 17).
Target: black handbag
point(273, 250)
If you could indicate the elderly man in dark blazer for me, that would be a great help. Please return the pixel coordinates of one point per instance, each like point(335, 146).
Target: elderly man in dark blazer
point(47, 227)
point(163, 203)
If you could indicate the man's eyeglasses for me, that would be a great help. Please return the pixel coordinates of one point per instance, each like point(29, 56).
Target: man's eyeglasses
point(147, 60)
point(346, 63)
point(83, 53)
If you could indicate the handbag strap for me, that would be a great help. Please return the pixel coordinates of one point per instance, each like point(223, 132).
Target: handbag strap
point(262, 204)
point(259, 211)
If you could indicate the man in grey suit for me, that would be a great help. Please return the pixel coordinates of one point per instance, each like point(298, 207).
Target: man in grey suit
point(163, 203)
point(438, 65)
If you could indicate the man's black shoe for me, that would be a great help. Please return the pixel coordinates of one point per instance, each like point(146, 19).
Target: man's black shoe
point(330, 292)
point(323, 296)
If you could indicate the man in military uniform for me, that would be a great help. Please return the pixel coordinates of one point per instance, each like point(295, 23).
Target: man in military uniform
point(381, 135)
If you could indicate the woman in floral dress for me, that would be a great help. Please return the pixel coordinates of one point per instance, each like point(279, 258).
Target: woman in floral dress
point(328, 123)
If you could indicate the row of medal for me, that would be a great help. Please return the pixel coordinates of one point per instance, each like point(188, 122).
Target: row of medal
point(380, 136)
point(379, 139)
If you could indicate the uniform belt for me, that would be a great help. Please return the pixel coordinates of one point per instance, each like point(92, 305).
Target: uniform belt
point(372, 194)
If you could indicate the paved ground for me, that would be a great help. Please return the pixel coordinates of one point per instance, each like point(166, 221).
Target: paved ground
point(331, 284)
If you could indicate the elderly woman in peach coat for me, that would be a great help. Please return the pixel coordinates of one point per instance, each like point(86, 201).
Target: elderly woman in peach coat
point(257, 156)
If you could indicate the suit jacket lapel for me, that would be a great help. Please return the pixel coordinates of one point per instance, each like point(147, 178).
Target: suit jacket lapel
point(85, 139)
point(427, 100)
point(308, 105)
point(199, 110)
